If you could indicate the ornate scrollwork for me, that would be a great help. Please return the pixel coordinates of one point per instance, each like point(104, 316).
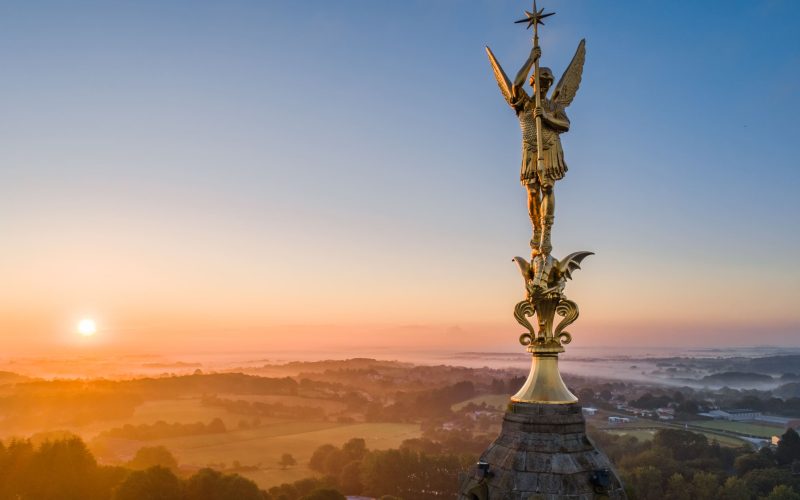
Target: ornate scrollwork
point(569, 310)
point(522, 311)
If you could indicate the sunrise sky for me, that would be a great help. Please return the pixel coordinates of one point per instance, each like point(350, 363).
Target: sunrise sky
point(319, 175)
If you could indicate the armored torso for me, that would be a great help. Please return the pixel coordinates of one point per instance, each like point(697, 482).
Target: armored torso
point(553, 155)
point(527, 123)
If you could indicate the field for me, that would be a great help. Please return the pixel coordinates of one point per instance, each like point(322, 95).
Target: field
point(326, 405)
point(185, 410)
point(499, 401)
point(726, 440)
point(746, 428)
point(640, 434)
point(260, 446)
point(647, 435)
point(265, 445)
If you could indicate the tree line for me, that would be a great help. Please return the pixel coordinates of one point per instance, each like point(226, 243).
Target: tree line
point(683, 465)
point(161, 430)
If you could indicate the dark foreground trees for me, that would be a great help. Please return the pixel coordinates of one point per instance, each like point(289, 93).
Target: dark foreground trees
point(66, 470)
point(678, 464)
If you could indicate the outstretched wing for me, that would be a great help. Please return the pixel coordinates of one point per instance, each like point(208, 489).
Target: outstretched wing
point(571, 79)
point(572, 262)
point(524, 267)
point(502, 80)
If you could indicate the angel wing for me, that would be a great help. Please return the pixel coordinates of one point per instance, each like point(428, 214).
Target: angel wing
point(571, 79)
point(502, 80)
point(571, 262)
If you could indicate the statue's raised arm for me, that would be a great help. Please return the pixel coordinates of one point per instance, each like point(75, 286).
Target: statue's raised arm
point(513, 93)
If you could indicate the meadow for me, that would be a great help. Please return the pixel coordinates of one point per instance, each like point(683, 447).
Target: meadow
point(496, 401)
point(252, 452)
point(745, 428)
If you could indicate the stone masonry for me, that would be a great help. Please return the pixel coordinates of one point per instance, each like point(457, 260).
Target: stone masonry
point(542, 453)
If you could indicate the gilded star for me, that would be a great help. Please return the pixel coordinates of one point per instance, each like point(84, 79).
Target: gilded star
point(535, 17)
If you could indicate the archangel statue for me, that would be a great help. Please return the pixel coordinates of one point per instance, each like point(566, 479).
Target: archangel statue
point(542, 119)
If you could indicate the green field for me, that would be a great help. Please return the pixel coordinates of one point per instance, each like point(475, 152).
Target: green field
point(499, 401)
point(186, 411)
point(260, 446)
point(327, 405)
point(265, 445)
point(640, 434)
point(647, 435)
point(749, 428)
point(726, 440)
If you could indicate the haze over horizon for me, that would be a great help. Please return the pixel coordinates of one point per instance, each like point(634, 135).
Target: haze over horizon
point(252, 175)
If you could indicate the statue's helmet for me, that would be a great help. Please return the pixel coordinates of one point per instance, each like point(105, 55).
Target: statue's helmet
point(546, 76)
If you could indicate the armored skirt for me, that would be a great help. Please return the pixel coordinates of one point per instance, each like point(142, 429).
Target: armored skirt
point(554, 165)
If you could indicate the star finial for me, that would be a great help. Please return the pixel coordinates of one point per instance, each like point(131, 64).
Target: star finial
point(535, 17)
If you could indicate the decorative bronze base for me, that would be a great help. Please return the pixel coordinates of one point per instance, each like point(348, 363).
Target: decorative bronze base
point(544, 384)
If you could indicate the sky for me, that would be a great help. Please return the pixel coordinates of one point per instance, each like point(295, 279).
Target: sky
point(321, 176)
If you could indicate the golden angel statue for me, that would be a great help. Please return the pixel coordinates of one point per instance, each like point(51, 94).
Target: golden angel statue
point(539, 172)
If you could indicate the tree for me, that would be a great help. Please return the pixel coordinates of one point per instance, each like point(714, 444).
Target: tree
point(408, 474)
point(324, 494)
point(70, 469)
point(287, 460)
point(155, 483)
point(334, 462)
point(657, 458)
point(762, 481)
point(677, 488)
point(735, 489)
point(646, 483)
point(685, 445)
point(704, 486)
point(586, 394)
point(751, 461)
point(783, 492)
point(355, 449)
point(690, 407)
point(788, 448)
point(350, 479)
point(153, 456)
point(498, 386)
point(208, 484)
point(217, 426)
point(317, 461)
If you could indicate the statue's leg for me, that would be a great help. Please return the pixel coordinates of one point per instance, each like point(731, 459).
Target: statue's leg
point(547, 211)
point(534, 211)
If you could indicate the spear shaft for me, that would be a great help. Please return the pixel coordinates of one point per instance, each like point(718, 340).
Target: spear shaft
point(538, 101)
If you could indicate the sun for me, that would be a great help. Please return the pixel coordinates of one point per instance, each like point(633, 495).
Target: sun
point(87, 327)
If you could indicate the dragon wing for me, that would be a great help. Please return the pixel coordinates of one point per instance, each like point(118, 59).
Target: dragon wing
point(502, 80)
point(572, 262)
point(524, 267)
point(571, 79)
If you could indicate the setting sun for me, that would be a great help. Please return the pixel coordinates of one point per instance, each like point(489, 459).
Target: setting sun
point(87, 327)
